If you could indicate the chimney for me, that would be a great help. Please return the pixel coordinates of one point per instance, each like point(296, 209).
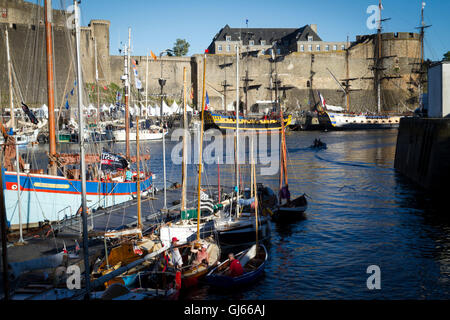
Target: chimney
point(314, 28)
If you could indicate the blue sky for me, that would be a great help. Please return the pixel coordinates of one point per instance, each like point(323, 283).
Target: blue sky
point(157, 24)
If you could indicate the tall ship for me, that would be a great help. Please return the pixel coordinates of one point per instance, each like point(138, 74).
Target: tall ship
point(337, 118)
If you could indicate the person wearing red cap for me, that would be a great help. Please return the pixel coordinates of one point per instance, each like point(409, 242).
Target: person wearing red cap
point(176, 259)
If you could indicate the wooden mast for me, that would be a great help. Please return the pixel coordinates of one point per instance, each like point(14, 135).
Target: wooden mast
point(48, 13)
point(201, 150)
point(237, 133)
point(184, 171)
point(96, 81)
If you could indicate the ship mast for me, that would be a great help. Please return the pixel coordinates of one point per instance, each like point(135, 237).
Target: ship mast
point(127, 95)
point(237, 132)
point(422, 53)
point(11, 97)
point(82, 152)
point(48, 12)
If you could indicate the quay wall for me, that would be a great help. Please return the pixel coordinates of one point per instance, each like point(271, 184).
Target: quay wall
point(423, 152)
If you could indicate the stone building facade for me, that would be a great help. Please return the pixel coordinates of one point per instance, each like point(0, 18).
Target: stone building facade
point(299, 70)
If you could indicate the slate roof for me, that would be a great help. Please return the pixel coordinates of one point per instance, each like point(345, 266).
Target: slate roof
point(285, 36)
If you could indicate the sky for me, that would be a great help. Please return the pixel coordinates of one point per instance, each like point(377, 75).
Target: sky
point(157, 24)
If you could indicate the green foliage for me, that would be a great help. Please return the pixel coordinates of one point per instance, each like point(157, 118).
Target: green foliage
point(447, 56)
point(181, 47)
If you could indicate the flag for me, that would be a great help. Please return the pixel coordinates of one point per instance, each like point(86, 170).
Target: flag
point(65, 249)
point(192, 93)
point(105, 88)
point(118, 96)
point(112, 162)
point(71, 92)
point(153, 55)
point(207, 101)
point(322, 100)
point(29, 113)
point(206, 203)
point(67, 104)
point(381, 6)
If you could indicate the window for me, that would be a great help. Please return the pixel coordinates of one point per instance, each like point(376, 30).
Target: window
point(327, 48)
point(310, 38)
point(302, 48)
point(228, 48)
point(334, 47)
point(310, 47)
point(251, 42)
point(278, 51)
point(263, 42)
point(318, 47)
point(219, 48)
point(228, 38)
point(343, 47)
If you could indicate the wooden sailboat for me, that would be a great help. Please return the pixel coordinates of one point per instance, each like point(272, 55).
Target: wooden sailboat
point(296, 207)
point(236, 224)
point(192, 270)
point(252, 260)
point(191, 222)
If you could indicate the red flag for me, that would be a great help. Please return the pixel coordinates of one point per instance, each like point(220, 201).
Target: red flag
point(105, 87)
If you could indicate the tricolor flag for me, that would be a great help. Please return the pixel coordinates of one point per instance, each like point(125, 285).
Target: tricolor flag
point(322, 100)
point(207, 101)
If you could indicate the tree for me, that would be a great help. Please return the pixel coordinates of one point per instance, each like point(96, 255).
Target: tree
point(181, 47)
point(447, 56)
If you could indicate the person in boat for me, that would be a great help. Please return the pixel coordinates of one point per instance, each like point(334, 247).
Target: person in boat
point(90, 173)
point(128, 175)
point(201, 255)
point(176, 259)
point(235, 269)
point(285, 194)
point(316, 142)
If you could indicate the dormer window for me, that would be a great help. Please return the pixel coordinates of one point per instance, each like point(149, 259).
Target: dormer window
point(251, 42)
point(310, 38)
point(263, 42)
point(228, 38)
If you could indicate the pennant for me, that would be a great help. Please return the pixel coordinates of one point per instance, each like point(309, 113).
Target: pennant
point(67, 104)
point(153, 56)
point(71, 92)
point(29, 113)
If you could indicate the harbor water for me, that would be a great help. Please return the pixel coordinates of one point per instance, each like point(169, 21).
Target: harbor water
point(361, 213)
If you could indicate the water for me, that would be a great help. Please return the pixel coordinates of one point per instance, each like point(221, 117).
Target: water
point(362, 213)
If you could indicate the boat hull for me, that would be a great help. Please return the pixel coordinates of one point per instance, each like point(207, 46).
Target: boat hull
point(224, 123)
point(120, 135)
point(343, 121)
point(50, 198)
point(226, 282)
point(242, 231)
